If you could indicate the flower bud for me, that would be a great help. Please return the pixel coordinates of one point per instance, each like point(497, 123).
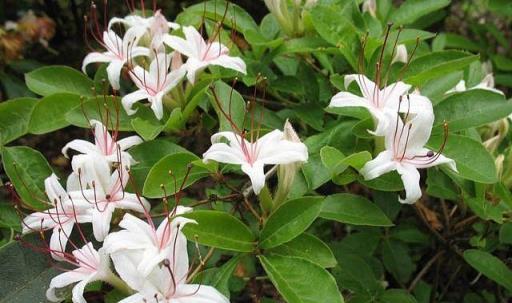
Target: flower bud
point(370, 6)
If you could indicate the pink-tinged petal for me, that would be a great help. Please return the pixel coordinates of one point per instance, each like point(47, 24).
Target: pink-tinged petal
point(81, 146)
point(411, 179)
point(193, 67)
point(196, 293)
point(95, 57)
point(346, 99)
point(139, 51)
point(283, 152)
point(125, 263)
point(234, 63)
point(136, 226)
point(114, 73)
point(195, 40)
point(385, 120)
point(39, 221)
point(368, 88)
point(382, 164)
point(256, 174)
point(61, 281)
point(102, 137)
point(123, 240)
point(419, 132)
point(173, 78)
point(112, 42)
point(173, 25)
point(92, 168)
point(59, 239)
point(131, 98)
point(54, 190)
point(101, 217)
point(73, 182)
point(131, 38)
point(129, 142)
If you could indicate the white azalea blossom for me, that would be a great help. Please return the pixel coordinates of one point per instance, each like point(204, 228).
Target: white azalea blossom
point(271, 148)
point(405, 153)
point(91, 265)
point(380, 101)
point(108, 195)
point(61, 217)
point(95, 160)
point(118, 53)
point(201, 53)
point(154, 84)
point(487, 83)
point(149, 245)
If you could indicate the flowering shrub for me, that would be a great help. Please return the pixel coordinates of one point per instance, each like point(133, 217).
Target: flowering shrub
point(330, 153)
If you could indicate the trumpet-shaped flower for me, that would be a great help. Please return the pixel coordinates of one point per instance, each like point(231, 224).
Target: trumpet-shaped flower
point(149, 246)
point(379, 101)
point(271, 148)
point(119, 52)
point(105, 198)
point(201, 53)
point(405, 153)
point(153, 84)
point(96, 159)
point(91, 265)
point(61, 218)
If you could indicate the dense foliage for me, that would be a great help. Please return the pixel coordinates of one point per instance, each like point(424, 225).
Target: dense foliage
point(330, 151)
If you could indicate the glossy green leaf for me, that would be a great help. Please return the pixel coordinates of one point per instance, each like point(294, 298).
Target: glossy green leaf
point(353, 209)
point(397, 260)
point(309, 247)
point(54, 79)
point(50, 112)
point(355, 273)
point(506, 233)
point(27, 169)
point(396, 296)
point(219, 277)
point(473, 161)
point(159, 181)
point(15, 118)
point(289, 220)
point(471, 108)
point(288, 276)
point(97, 108)
point(219, 229)
point(412, 10)
point(231, 105)
point(490, 266)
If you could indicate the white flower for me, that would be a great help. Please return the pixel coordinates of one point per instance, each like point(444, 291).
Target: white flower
point(96, 159)
point(405, 153)
point(157, 26)
point(147, 246)
point(91, 266)
point(401, 54)
point(108, 195)
point(61, 218)
point(487, 83)
point(201, 53)
point(272, 148)
point(153, 84)
point(119, 52)
point(379, 101)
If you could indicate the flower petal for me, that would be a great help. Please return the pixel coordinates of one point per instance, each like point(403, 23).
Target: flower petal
point(114, 73)
point(131, 98)
point(196, 293)
point(382, 164)
point(95, 57)
point(61, 281)
point(366, 85)
point(411, 179)
point(234, 63)
point(59, 239)
point(101, 217)
point(78, 290)
point(129, 142)
point(256, 174)
point(81, 146)
point(346, 99)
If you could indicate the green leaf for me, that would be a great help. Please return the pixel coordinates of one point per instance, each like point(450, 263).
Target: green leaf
point(27, 169)
point(49, 80)
point(412, 10)
point(288, 276)
point(8, 217)
point(177, 164)
point(396, 296)
point(471, 108)
point(315, 172)
point(289, 220)
point(15, 118)
point(219, 229)
point(219, 277)
point(387, 182)
point(98, 108)
point(356, 274)
point(148, 129)
point(396, 259)
point(490, 266)
point(506, 233)
point(353, 209)
point(309, 247)
point(232, 104)
point(25, 274)
point(436, 64)
point(473, 161)
point(49, 113)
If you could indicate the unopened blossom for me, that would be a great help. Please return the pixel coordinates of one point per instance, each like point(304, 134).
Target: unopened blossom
point(487, 83)
point(380, 101)
point(61, 218)
point(96, 159)
point(406, 153)
point(370, 6)
point(91, 265)
point(154, 84)
point(118, 53)
point(105, 198)
point(400, 54)
point(201, 53)
point(146, 246)
point(271, 148)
